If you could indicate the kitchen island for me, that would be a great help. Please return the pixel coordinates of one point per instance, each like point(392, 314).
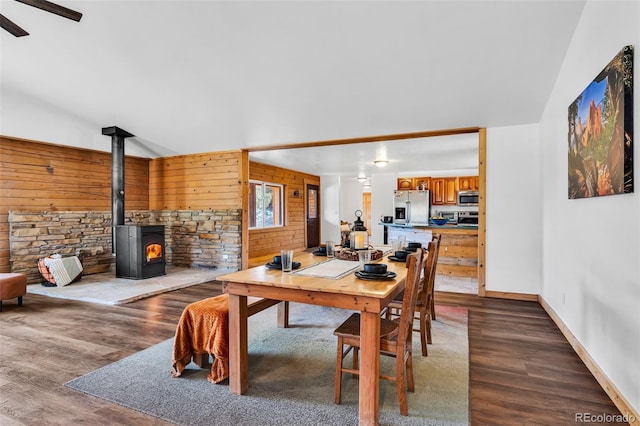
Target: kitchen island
point(458, 245)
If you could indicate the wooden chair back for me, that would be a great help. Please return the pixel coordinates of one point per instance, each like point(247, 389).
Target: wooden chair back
point(428, 270)
point(430, 303)
point(405, 323)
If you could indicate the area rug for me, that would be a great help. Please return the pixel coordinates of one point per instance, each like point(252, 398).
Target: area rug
point(106, 289)
point(291, 379)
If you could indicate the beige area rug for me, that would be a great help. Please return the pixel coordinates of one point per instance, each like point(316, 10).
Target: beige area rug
point(292, 378)
point(106, 289)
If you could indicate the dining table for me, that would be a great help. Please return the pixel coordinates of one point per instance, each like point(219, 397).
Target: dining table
point(317, 281)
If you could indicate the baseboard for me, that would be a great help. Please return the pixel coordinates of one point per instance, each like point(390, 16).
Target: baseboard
point(632, 416)
point(512, 296)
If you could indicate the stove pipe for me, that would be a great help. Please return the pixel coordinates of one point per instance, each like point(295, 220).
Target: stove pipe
point(117, 178)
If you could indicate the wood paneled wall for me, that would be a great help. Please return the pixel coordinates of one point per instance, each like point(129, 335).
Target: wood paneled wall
point(41, 176)
point(293, 234)
point(196, 182)
point(48, 177)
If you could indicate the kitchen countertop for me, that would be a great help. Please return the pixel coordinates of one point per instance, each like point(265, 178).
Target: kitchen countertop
point(431, 225)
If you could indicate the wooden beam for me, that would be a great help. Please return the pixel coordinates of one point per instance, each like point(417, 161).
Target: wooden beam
point(365, 139)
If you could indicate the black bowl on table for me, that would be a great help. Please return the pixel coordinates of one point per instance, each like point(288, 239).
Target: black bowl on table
point(401, 254)
point(322, 249)
point(375, 268)
point(277, 260)
point(414, 245)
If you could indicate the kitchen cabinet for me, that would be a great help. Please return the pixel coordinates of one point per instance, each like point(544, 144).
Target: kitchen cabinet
point(405, 184)
point(468, 183)
point(458, 254)
point(422, 183)
point(444, 191)
point(415, 183)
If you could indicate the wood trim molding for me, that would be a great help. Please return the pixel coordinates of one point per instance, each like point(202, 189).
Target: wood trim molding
point(526, 297)
point(618, 399)
point(364, 139)
point(244, 197)
point(482, 212)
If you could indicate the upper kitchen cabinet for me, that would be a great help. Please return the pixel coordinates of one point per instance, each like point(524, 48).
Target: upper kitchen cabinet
point(444, 191)
point(415, 183)
point(468, 183)
point(405, 184)
point(422, 183)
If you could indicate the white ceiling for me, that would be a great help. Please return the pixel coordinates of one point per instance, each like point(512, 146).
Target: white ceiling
point(201, 76)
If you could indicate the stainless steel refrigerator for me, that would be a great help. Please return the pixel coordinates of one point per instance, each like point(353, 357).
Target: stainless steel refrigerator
point(411, 206)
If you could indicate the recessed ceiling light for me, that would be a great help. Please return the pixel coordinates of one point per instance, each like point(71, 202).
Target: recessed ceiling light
point(381, 163)
point(362, 179)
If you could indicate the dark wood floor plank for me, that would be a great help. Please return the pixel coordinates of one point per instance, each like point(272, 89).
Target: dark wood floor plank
point(522, 370)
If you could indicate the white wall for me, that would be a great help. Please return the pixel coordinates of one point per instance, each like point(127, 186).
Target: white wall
point(28, 118)
point(382, 187)
point(350, 198)
point(330, 205)
point(514, 214)
point(591, 247)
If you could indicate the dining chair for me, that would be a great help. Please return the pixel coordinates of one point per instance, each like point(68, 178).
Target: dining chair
point(424, 304)
point(395, 339)
point(436, 238)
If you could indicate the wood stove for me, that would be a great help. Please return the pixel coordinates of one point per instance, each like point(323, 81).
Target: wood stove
point(140, 251)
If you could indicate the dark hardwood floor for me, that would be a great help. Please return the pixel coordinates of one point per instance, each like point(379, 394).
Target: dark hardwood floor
point(522, 370)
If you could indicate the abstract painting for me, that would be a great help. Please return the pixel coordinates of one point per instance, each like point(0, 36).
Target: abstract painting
point(601, 132)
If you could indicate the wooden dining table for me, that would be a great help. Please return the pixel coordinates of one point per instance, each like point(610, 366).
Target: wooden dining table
point(369, 297)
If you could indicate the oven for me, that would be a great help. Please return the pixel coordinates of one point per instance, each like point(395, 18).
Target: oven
point(468, 218)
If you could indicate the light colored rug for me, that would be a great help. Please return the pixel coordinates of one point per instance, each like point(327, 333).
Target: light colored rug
point(291, 378)
point(106, 289)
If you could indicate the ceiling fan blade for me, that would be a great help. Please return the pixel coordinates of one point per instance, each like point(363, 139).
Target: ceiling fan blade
point(10, 26)
point(54, 8)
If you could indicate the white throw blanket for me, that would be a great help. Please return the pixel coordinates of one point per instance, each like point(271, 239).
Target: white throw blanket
point(64, 270)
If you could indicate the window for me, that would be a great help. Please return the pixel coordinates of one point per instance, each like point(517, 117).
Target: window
point(265, 204)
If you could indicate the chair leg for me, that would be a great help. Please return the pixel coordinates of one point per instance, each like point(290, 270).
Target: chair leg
point(0, 305)
point(433, 307)
point(401, 385)
point(19, 300)
point(337, 391)
point(428, 322)
point(356, 362)
point(409, 369)
point(423, 333)
point(201, 360)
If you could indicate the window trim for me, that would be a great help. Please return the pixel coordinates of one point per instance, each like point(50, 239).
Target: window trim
point(264, 183)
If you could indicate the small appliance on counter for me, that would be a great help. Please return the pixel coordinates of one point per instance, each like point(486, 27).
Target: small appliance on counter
point(386, 219)
point(468, 218)
point(452, 217)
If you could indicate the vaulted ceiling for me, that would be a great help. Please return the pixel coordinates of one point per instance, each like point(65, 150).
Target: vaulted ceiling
point(200, 76)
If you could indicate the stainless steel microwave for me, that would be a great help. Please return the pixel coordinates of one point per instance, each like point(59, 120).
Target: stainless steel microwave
point(468, 198)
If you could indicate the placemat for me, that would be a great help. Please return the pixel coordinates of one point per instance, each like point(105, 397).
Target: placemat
point(332, 268)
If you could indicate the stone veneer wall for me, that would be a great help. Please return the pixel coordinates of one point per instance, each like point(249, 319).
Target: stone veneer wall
point(207, 239)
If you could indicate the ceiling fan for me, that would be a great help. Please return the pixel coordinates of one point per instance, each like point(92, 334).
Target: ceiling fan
point(17, 31)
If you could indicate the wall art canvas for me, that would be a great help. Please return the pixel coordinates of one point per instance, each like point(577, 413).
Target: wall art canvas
point(601, 132)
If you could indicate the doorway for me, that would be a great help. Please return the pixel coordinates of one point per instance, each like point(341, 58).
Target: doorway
point(312, 215)
point(366, 211)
